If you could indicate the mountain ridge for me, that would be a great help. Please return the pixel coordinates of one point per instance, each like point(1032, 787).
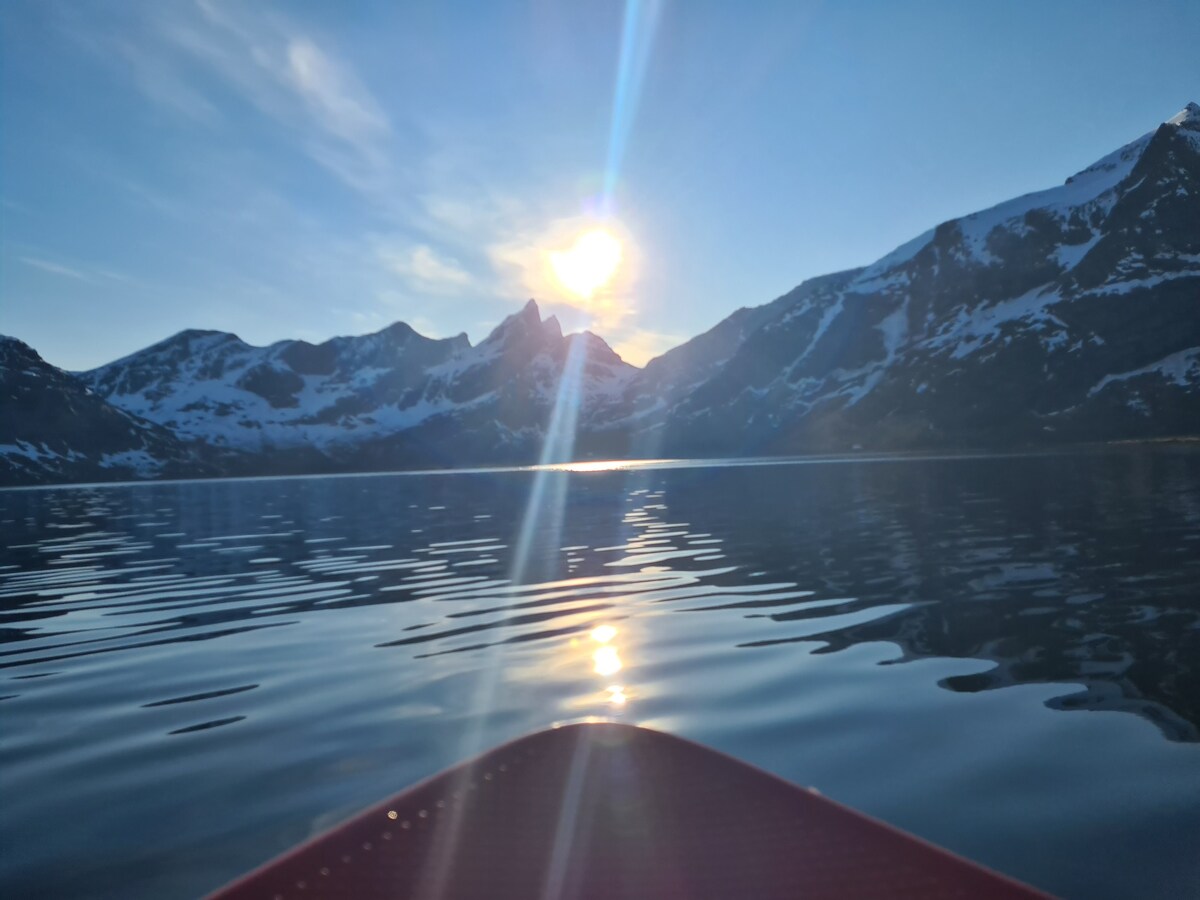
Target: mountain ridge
point(1068, 314)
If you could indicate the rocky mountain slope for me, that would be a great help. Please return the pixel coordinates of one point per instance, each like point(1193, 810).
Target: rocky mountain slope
point(1070, 314)
point(53, 429)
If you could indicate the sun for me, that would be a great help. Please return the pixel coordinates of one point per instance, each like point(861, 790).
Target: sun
point(590, 263)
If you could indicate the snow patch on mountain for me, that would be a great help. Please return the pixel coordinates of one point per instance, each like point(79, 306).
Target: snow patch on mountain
point(138, 461)
point(1138, 284)
point(38, 452)
point(1181, 369)
point(972, 329)
point(861, 382)
point(1069, 256)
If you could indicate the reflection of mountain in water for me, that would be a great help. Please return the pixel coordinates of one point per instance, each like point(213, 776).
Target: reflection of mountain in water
point(1059, 569)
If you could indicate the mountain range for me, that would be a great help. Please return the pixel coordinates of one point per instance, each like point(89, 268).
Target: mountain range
point(1067, 315)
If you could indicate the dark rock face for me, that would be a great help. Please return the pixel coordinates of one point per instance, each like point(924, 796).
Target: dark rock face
point(53, 428)
point(1071, 314)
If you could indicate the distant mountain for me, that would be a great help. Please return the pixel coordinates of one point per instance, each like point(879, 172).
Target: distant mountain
point(1071, 314)
point(54, 429)
point(389, 399)
point(212, 386)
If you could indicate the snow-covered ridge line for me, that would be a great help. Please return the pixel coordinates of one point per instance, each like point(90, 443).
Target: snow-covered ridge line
point(213, 387)
point(1086, 186)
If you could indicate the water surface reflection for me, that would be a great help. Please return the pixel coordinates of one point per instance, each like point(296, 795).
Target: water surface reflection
point(309, 644)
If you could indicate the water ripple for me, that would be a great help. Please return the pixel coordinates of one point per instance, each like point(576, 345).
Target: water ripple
point(312, 639)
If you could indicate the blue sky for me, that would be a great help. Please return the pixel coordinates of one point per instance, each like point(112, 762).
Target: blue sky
point(307, 169)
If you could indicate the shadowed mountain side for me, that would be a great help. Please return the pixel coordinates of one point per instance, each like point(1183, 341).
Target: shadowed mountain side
point(55, 429)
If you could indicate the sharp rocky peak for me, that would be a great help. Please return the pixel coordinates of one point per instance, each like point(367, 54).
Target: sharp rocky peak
point(399, 331)
point(526, 322)
point(1188, 117)
point(189, 338)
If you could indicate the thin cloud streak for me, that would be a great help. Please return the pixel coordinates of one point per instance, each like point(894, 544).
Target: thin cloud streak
point(55, 268)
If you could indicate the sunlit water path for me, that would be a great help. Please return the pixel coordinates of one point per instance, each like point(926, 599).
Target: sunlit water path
point(1001, 654)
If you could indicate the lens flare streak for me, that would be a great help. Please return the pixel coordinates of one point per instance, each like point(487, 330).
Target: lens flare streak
point(637, 39)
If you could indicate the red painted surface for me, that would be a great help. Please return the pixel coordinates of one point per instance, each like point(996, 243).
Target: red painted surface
point(613, 811)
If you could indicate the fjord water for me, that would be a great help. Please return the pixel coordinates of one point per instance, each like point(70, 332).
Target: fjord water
point(1000, 654)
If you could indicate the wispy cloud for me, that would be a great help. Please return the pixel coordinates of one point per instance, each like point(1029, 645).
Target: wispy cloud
point(291, 77)
point(336, 99)
point(427, 208)
point(424, 269)
point(180, 56)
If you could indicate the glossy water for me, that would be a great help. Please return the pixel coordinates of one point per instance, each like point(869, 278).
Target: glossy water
point(1001, 654)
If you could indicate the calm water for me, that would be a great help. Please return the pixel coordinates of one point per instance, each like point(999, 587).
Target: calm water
point(1002, 655)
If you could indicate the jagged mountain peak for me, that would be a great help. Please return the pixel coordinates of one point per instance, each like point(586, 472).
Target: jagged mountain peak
point(400, 331)
point(1082, 201)
point(525, 324)
point(1188, 117)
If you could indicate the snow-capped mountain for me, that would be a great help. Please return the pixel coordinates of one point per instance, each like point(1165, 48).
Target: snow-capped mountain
point(387, 399)
point(1068, 314)
point(53, 428)
point(212, 386)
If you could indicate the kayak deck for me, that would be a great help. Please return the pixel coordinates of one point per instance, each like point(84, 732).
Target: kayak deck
point(614, 811)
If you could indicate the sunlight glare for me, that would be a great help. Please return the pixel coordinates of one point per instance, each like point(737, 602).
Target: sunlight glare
point(606, 660)
point(590, 263)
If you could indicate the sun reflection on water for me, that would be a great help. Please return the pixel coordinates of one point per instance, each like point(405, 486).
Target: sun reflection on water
point(605, 465)
point(602, 634)
point(606, 661)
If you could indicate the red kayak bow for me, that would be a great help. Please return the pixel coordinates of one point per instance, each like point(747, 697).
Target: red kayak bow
point(614, 811)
